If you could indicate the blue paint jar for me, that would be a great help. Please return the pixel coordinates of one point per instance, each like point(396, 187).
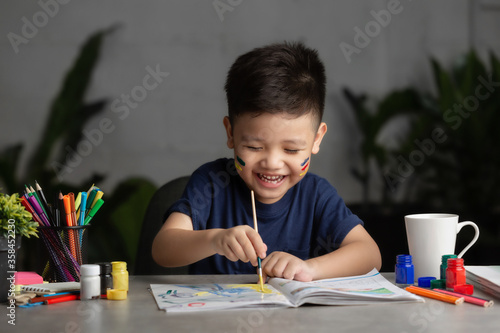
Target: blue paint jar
point(405, 272)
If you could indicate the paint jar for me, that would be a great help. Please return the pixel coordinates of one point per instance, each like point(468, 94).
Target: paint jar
point(405, 272)
point(444, 264)
point(120, 275)
point(105, 276)
point(455, 273)
point(90, 283)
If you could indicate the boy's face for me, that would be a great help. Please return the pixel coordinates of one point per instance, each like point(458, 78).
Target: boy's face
point(272, 152)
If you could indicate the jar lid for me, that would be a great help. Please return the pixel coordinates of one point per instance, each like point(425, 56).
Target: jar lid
point(116, 294)
point(105, 267)
point(425, 281)
point(439, 284)
point(90, 270)
point(445, 257)
point(467, 289)
point(119, 265)
point(404, 259)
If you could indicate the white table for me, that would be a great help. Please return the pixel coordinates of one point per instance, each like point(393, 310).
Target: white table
point(139, 313)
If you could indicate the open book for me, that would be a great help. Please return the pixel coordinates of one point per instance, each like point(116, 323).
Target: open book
point(486, 278)
point(364, 289)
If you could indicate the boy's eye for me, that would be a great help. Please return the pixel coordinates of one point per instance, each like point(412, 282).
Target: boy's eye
point(292, 151)
point(253, 148)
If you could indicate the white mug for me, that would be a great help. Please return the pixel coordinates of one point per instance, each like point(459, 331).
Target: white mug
point(430, 236)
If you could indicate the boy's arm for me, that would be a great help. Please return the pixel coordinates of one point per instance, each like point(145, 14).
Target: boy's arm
point(358, 254)
point(177, 244)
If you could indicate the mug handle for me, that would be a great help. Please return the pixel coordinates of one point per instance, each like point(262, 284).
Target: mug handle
point(476, 235)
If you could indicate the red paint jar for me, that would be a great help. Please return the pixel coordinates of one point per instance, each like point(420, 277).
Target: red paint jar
point(455, 273)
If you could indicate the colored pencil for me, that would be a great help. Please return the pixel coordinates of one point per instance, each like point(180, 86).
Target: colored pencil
point(26, 204)
point(62, 210)
point(469, 299)
point(45, 210)
point(44, 202)
point(435, 295)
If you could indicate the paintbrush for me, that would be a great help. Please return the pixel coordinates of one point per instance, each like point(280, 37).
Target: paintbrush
point(259, 261)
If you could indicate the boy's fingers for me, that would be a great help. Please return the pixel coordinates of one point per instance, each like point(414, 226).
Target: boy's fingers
point(289, 271)
point(245, 244)
point(259, 246)
point(235, 251)
point(250, 252)
point(239, 252)
point(229, 254)
point(276, 265)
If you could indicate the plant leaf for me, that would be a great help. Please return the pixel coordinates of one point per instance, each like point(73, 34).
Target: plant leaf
point(446, 89)
point(67, 104)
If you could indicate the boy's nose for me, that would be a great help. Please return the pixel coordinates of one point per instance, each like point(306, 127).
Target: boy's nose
point(272, 162)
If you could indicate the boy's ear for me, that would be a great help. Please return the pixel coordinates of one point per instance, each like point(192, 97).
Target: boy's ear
point(229, 132)
point(319, 136)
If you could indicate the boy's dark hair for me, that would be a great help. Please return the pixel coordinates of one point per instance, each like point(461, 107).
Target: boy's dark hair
point(285, 77)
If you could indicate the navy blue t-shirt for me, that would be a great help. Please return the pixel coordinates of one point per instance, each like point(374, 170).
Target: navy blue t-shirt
point(310, 220)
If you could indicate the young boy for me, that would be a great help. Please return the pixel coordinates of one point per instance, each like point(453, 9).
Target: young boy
point(275, 98)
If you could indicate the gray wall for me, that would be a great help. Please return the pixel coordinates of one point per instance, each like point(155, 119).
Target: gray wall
point(178, 125)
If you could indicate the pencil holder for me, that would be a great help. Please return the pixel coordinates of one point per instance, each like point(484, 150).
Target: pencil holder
point(66, 250)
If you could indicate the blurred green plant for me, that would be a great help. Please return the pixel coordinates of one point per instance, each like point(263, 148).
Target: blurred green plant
point(67, 117)
point(460, 172)
point(371, 123)
point(117, 225)
point(12, 209)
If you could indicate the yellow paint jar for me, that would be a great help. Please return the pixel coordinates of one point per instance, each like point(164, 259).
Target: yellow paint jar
point(120, 275)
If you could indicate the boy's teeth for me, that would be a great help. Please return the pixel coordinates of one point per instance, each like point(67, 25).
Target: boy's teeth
point(271, 179)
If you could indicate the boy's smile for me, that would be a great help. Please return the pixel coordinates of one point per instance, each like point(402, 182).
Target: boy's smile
point(272, 151)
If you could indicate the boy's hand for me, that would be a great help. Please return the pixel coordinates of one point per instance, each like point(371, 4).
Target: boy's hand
point(287, 266)
point(239, 243)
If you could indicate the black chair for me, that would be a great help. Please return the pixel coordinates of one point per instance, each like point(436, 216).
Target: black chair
point(163, 198)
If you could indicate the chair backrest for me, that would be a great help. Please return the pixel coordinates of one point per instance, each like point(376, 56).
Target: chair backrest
point(163, 198)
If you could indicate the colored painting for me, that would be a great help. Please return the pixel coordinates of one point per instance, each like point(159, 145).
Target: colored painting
point(211, 296)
